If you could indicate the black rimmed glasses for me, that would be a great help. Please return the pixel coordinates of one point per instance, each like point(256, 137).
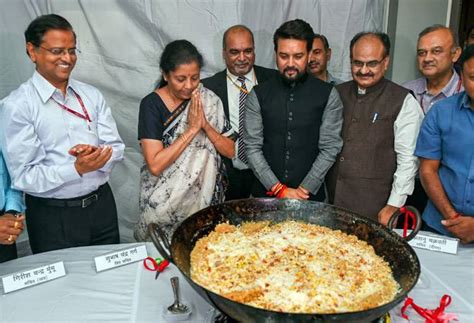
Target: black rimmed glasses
point(57, 51)
point(369, 64)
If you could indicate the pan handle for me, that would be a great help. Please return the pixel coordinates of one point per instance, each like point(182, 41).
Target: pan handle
point(160, 240)
point(404, 210)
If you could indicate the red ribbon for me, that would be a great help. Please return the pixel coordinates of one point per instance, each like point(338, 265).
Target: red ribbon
point(156, 264)
point(431, 316)
point(408, 214)
point(163, 265)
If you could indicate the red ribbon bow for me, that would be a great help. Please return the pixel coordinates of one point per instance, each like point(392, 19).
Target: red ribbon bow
point(431, 316)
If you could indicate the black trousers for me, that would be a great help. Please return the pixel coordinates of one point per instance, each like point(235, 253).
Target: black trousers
point(240, 183)
point(58, 227)
point(7, 252)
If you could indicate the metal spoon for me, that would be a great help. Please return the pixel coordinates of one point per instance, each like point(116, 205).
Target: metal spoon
point(176, 307)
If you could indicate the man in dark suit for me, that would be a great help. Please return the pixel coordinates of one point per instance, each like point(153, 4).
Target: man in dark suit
point(232, 85)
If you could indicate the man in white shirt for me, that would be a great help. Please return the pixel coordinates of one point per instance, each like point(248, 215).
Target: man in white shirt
point(232, 86)
point(60, 143)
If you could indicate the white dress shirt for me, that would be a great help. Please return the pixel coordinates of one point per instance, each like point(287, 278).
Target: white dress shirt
point(233, 93)
point(406, 129)
point(36, 134)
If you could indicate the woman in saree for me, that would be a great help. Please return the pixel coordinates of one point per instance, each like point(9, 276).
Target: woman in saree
point(182, 131)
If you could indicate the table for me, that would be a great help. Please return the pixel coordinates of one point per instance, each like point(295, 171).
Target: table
point(123, 294)
point(131, 294)
point(444, 274)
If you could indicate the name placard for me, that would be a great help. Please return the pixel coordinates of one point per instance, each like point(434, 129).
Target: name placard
point(33, 277)
point(434, 242)
point(120, 258)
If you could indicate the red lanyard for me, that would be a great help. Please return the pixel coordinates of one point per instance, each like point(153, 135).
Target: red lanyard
point(84, 116)
point(458, 89)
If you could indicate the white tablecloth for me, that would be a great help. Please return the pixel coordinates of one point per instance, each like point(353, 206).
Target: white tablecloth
point(443, 274)
point(131, 294)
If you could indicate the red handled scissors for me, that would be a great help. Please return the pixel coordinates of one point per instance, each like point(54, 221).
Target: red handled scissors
point(155, 264)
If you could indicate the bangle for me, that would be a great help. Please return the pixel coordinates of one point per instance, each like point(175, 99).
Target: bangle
point(280, 188)
point(277, 189)
point(184, 137)
point(281, 194)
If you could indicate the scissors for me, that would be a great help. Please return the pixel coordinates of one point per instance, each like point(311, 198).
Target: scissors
point(155, 264)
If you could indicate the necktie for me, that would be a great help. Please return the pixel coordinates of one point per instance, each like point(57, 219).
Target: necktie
point(242, 98)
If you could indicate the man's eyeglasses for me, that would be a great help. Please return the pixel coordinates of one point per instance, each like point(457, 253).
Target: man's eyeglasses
point(56, 51)
point(370, 64)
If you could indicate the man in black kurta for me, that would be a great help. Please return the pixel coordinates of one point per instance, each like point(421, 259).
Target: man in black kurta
point(293, 122)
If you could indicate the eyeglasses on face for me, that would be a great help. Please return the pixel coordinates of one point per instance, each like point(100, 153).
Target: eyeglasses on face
point(57, 51)
point(370, 64)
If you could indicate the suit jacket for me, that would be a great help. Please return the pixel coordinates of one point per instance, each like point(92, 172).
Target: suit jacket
point(218, 83)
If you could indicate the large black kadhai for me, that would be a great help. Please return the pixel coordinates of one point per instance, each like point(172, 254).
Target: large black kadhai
point(387, 244)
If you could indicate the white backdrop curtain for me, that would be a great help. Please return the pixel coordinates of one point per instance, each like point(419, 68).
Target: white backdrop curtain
point(121, 42)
